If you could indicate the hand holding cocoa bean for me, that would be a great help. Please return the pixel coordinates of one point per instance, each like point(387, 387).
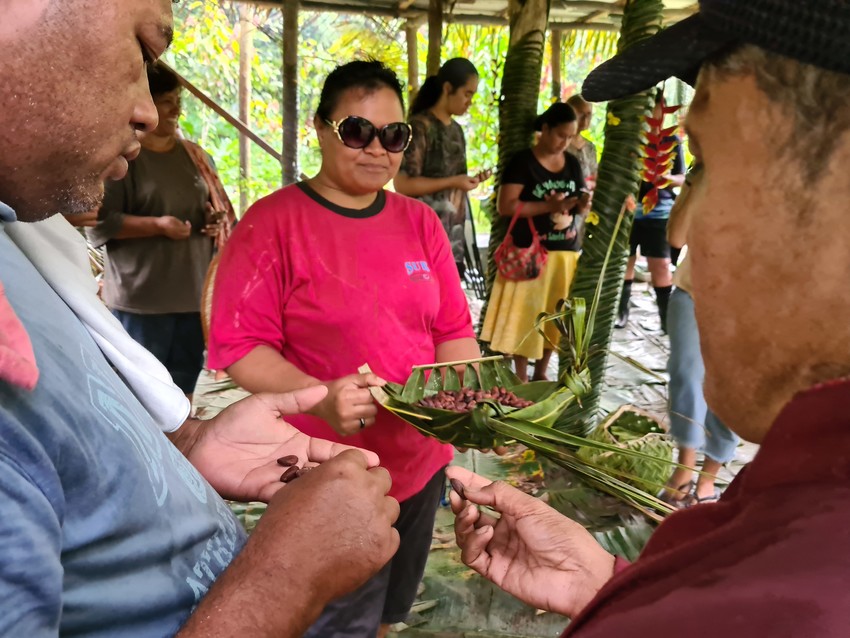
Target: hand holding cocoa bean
point(332, 528)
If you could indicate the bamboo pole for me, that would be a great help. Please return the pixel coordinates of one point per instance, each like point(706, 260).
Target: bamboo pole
point(411, 32)
point(290, 92)
point(435, 36)
point(603, 10)
point(452, 364)
point(557, 52)
point(246, 54)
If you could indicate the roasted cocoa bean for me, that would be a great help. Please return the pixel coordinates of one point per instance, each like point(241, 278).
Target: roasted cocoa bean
point(457, 486)
point(466, 399)
point(290, 474)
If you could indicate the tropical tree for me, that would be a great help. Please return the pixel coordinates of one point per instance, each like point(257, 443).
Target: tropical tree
point(618, 178)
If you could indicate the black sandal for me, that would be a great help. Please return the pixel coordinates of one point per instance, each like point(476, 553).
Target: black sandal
point(684, 488)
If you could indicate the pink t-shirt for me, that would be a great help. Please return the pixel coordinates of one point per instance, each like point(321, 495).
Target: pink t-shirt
point(332, 289)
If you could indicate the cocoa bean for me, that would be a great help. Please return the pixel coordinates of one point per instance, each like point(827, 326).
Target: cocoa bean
point(457, 486)
point(287, 461)
point(290, 474)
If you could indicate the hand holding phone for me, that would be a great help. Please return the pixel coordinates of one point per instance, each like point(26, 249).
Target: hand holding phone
point(485, 175)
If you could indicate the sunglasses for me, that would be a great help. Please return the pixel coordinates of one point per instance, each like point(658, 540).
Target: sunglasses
point(357, 132)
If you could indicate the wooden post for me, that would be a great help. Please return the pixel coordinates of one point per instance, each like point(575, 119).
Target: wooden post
point(411, 31)
point(435, 36)
point(557, 40)
point(246, 55)
point(290, 92)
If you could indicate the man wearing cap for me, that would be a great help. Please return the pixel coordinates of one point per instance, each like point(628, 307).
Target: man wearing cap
point(770, 130)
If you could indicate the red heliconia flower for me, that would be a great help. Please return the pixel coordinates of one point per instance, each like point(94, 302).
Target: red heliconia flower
point(658, 151)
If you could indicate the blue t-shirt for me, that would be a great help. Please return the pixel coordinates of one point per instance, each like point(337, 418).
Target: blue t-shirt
point(106, 528)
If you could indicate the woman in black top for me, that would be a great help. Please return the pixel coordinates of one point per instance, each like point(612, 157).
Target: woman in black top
point(544, 187)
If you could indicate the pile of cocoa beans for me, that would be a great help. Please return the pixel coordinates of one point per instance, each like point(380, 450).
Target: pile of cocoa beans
point(292, 470)
point(465, 400)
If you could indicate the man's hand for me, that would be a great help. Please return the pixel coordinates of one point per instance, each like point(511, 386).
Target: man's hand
point(531, 551)
point(341, 518)
point(349, 406)
point(322, 537)
point(237, 451)
point(173, 228)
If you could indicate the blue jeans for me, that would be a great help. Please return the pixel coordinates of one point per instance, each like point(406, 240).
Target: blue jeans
point(688, 410)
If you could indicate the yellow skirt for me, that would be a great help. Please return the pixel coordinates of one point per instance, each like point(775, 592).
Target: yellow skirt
point(514, 305)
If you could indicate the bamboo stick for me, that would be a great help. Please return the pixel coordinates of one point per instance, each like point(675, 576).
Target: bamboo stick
point(452, 364)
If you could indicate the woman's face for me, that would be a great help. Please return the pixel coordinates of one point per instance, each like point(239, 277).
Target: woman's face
point(366, 170)
point(168, 107)
point(584, 113)
point(460, 99)
point(556, 139)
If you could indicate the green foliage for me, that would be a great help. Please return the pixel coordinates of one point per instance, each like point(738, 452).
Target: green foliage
point(206, 52)
point(630, 429)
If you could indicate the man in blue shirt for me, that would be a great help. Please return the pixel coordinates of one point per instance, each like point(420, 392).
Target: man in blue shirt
point(107, 528)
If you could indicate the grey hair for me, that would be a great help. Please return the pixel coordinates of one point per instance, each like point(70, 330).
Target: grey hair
point(817, 100)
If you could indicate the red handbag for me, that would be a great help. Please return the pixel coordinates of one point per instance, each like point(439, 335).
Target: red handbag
point(520, 264)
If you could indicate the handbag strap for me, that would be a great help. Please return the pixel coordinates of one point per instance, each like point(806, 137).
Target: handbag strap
point(514, 219)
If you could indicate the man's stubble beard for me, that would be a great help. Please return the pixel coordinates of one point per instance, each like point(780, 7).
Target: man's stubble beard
point(81, 196)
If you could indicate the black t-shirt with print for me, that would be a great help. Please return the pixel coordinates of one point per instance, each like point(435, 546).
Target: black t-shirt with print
point(537, 183)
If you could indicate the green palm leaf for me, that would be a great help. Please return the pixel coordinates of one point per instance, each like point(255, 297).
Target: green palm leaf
point(618, 178)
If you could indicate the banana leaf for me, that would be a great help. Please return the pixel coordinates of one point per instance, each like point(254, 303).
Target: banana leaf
point(477, 428)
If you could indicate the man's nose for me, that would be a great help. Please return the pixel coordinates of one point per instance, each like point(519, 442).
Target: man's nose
point(145, 116)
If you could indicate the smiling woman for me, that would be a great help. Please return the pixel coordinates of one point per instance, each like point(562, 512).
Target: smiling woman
point(159, 226)
point(328, 274)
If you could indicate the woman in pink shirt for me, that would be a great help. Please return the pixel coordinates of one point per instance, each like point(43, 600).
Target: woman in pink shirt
point(334, 272)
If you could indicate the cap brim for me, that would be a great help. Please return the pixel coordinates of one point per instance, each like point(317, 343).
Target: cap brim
point(677, 51)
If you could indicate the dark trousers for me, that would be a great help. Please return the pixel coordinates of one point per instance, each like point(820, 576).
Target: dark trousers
point(176, 339)
point(388, 596)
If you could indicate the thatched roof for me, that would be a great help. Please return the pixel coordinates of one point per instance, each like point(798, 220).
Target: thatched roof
point(564, 14)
